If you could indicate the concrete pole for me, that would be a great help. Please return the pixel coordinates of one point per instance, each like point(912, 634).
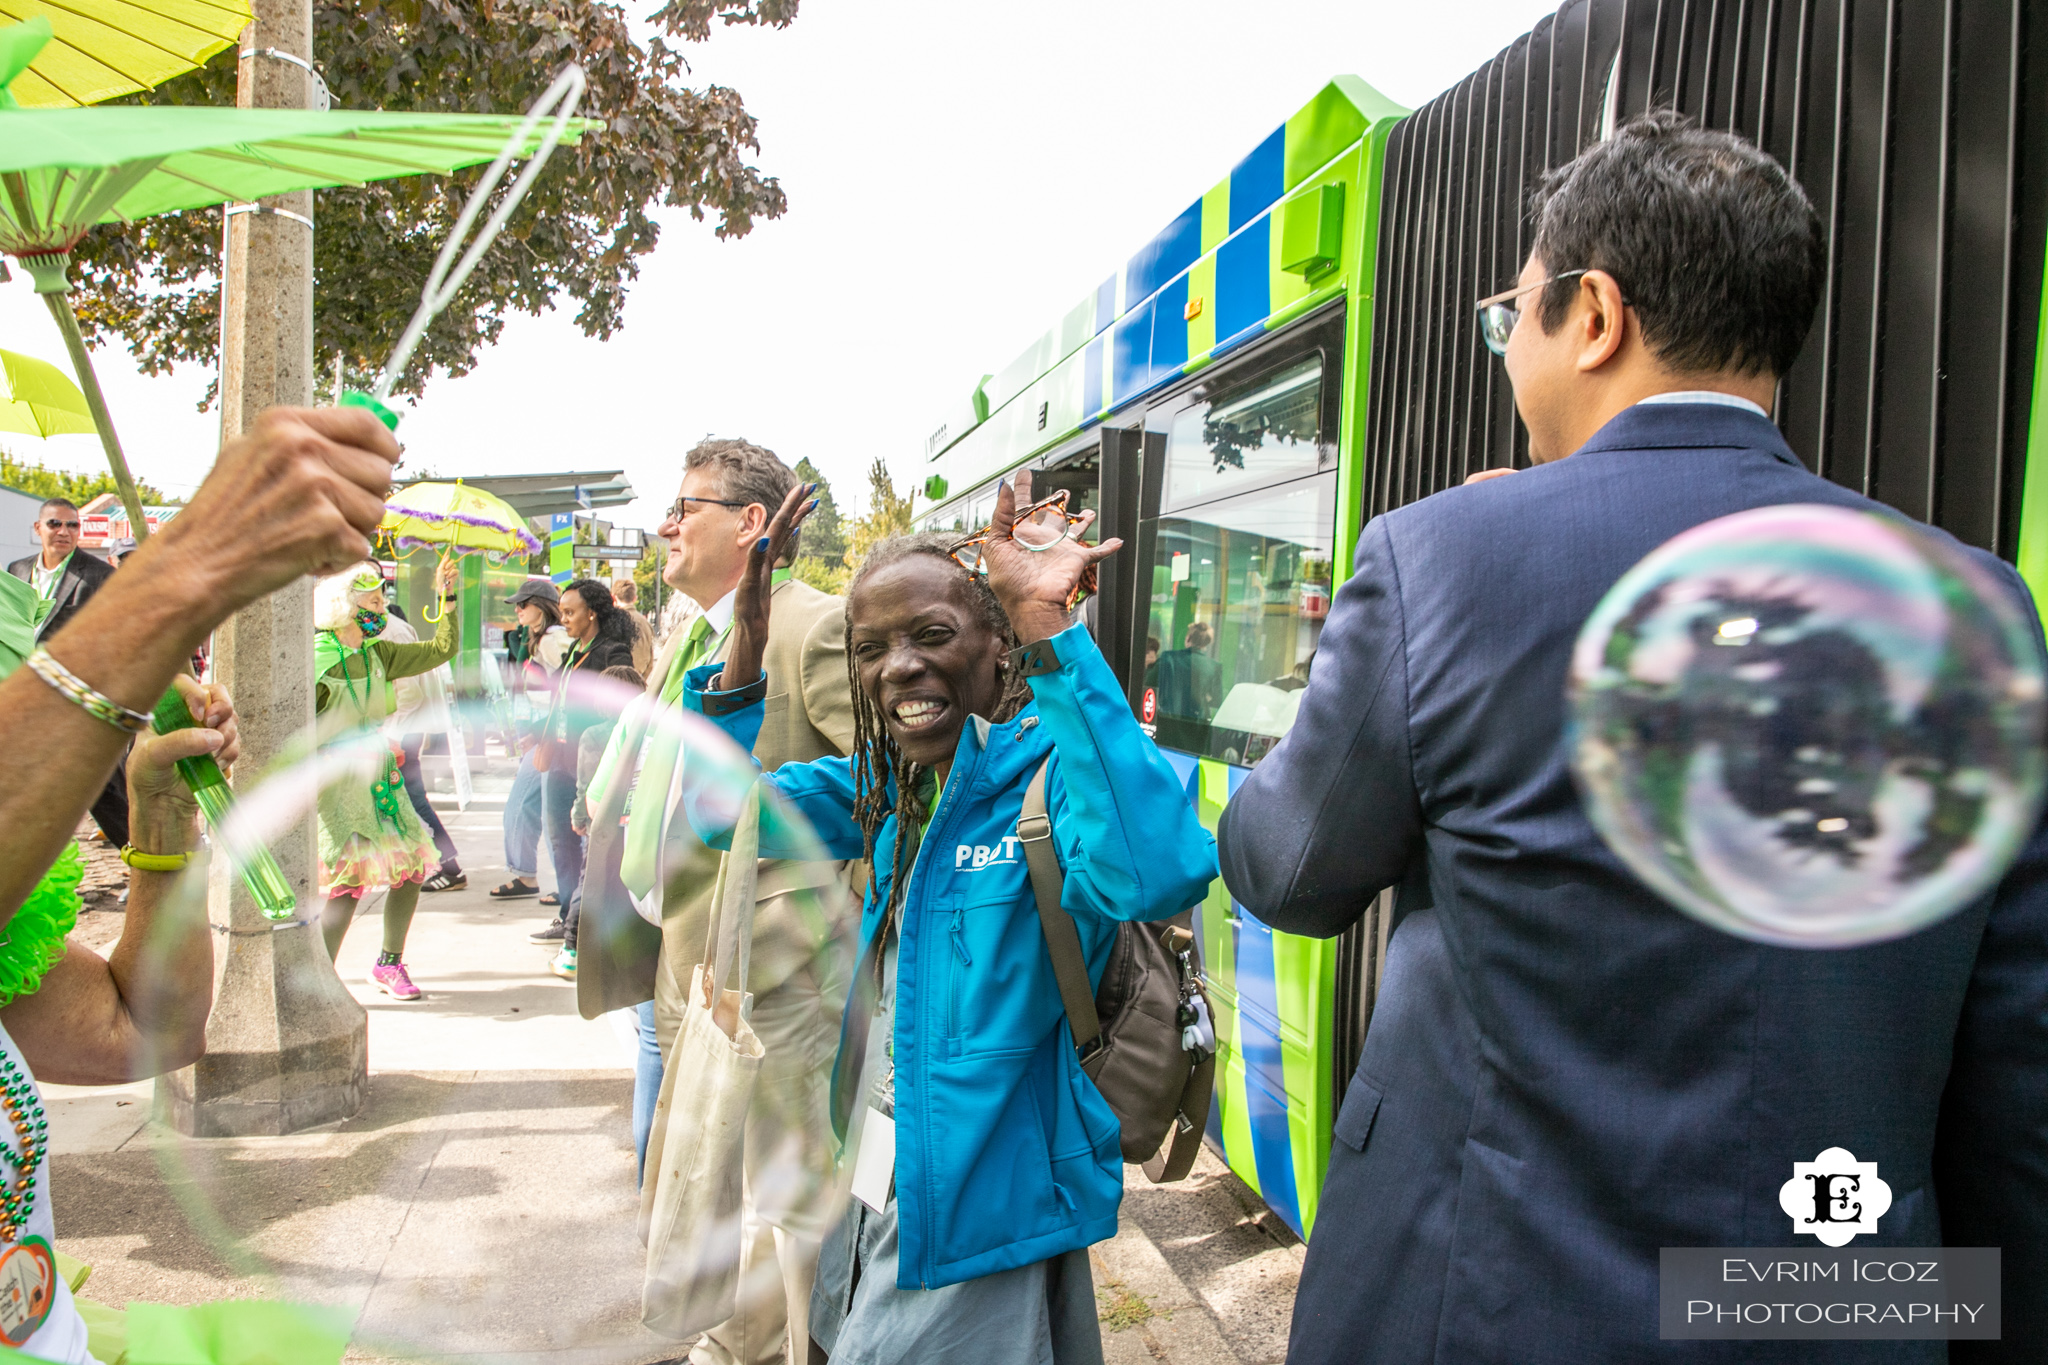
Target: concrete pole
point(287, 1047)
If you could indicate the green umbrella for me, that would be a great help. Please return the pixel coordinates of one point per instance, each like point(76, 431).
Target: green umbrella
point(64, 170)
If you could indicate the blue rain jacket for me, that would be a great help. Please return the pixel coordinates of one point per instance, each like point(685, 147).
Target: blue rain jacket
point(1006, 1154)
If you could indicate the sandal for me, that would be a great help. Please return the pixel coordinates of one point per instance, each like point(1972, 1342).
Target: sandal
point(514, 889)
point(550, 898)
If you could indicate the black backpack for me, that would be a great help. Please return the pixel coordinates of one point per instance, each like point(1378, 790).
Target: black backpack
point(1145, 1037)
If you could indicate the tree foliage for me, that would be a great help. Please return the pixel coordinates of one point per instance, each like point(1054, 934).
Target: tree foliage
point(888, 515)
point(580, 232)
point(42, 482)
point(822, 558)
point(824, 534)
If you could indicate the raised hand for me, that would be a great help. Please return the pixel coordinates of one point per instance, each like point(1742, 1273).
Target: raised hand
point(1036, 585)
point(750, 600)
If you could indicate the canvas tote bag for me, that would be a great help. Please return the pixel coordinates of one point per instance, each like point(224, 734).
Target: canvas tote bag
point(690, 1202)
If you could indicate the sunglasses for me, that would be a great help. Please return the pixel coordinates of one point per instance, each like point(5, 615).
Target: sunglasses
point(1049, 522)
point(56, 525)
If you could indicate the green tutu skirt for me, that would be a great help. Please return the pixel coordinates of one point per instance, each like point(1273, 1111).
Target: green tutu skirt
point(370, 836)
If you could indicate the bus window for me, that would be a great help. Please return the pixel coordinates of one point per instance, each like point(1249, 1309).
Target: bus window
point(1247, 439)
point(1239, 592)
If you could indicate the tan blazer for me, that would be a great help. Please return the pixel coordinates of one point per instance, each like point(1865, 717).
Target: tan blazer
point(808, 715)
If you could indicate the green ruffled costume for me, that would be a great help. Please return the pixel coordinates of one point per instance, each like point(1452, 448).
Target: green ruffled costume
point(32, 940)
point(370, 836)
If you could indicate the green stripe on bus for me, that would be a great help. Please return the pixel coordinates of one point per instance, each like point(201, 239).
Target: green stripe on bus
point(2033, 554)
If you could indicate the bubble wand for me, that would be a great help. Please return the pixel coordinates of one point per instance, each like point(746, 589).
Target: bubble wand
point(209, 786)
point(556, 104)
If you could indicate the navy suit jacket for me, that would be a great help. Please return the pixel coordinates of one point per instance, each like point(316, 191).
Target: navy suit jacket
point(1563, 1073)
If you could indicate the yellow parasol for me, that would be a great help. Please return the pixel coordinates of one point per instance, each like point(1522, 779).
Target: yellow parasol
point(104, 49)
point(37, 400)
point(456, 519)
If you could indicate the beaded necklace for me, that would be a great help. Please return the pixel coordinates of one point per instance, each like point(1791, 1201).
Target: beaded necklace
point(32, 1129)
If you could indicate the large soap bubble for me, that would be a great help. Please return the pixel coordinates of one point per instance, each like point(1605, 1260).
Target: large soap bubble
point(483, 1202)
point(1810, 726)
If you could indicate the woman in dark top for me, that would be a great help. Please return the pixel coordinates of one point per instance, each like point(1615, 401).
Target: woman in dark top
point(600, 637)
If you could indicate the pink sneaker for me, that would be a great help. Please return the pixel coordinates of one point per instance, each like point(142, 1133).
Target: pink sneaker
point(391, 979)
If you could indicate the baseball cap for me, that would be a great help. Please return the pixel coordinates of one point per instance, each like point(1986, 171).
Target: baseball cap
point(535, 590)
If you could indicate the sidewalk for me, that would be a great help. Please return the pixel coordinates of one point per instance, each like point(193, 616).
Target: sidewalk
point(482, 1206)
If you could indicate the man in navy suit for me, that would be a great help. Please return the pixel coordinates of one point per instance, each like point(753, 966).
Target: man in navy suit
point(1563, 1073)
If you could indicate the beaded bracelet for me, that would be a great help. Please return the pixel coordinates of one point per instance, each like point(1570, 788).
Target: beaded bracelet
point(96, 703)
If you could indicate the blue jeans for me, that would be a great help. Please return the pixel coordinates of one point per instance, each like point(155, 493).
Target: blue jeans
point(523, 821)
point(565, 845)
point(646, 1080)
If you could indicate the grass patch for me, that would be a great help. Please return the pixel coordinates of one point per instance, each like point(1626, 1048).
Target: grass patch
point(1121, 1308)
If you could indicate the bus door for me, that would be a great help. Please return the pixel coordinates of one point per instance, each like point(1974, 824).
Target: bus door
point(1233, 566)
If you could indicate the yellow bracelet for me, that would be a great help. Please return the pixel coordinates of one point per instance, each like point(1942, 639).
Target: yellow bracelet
point(154, 862)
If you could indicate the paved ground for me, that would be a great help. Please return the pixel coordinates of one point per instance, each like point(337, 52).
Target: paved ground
point(481, 1208)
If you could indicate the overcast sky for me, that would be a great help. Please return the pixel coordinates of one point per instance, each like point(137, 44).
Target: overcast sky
point(958, 175)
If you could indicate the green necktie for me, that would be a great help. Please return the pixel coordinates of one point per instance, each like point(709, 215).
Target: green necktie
point(643, 826)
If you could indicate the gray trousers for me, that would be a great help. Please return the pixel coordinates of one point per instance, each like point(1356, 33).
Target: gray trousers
point(1042, 1314)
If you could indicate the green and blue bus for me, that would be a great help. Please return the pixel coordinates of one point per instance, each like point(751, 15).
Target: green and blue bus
point(1296, 352)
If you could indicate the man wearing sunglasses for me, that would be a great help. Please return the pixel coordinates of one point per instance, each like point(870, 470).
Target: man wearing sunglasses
point(62, 577)
point(65, 578)
point(1564, 1074)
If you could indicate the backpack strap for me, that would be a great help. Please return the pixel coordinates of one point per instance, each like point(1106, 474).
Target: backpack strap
point(1062, 939)
point(1177, 1157)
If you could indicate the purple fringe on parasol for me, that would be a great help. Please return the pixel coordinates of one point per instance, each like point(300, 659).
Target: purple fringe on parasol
point(527, 538)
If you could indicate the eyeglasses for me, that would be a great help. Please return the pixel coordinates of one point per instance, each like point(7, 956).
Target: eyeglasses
point(1499, 314)
point(1043, 524)
point(56, 525)
point(680, 508)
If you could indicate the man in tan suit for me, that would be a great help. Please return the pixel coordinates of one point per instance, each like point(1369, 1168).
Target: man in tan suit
point(804, 918)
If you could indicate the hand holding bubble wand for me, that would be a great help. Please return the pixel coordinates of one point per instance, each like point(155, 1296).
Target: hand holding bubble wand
point(260, 872)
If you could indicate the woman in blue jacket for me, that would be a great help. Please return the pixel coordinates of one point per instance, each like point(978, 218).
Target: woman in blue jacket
point(955, 1050)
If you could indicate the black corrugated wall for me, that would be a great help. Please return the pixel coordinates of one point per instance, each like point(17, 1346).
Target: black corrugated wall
point(1920, 130)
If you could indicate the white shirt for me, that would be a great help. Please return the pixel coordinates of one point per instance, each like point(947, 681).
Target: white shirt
point(719, 613)
point(1721, 400)
point(45, 580)
point(421, 701)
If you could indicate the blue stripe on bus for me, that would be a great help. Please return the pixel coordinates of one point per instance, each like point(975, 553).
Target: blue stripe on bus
point(1265, 1073)
point(1170, 330)
point(1105, 305)
point(1133, 357)
point(1259, 179)
point(1186, 767)
point(1091, 380)
point(1244, 278)
point(1231, 343)
point(1172, 251)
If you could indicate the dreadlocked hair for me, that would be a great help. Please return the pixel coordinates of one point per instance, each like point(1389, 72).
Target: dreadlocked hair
point(876, 759)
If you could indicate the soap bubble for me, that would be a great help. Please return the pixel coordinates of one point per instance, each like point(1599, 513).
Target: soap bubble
point(482, 1200)
point(1810, 726)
